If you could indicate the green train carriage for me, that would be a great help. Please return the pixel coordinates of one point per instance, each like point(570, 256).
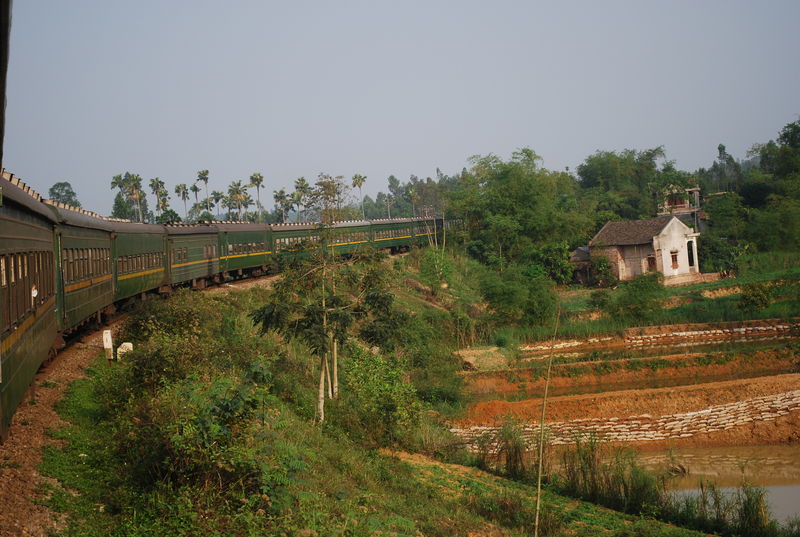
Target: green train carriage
point(245, 249)
point(395, 233)
point(140, 259)
point(290, 241)
point(348, 237)
point(28, 328)
point(193, 254)
point(83, 266)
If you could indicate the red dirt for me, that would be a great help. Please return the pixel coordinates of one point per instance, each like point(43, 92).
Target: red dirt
point(654, 401)
point(20, 483)
point(514, 382)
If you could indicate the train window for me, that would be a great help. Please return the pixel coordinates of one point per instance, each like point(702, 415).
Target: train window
point(3, 279)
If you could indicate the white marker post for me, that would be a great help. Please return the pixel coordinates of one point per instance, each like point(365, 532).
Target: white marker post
point(125, 348)
point(108, 345)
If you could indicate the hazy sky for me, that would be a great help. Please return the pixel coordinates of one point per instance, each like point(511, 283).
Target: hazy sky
point(165, 88)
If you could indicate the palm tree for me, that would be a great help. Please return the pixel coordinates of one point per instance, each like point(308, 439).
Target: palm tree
point(257, 180)
point(237, 192)
point(358, 182)
point(281, 198)
point(217, 196)
point(162, 199)
point(195, 190)
point(134, 185)
point(202, 175)
point(296, 200)
point(182, 191)
point(156, 186)
point(118, 182)
point(303, 192)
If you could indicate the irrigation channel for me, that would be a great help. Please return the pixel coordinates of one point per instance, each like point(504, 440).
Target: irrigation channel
point(774, 468)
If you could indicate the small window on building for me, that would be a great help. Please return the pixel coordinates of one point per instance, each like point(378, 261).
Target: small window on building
point(690, 250)
point(674, 259)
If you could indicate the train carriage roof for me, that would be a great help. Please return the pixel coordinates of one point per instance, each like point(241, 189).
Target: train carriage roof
point(21, 194)
point(73, 216)
point(241, 226)
point(135, 227)
point(401, 220)
point(191, 229)
point(299, 226)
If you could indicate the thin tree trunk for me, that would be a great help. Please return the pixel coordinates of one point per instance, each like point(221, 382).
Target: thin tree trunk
point(541, 427)
point(323, 366)
point(335, 369)
point(321, 391)
point(335, 344)
point(328, 376)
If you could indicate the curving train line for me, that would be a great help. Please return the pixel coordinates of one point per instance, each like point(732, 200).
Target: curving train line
point(61, 267)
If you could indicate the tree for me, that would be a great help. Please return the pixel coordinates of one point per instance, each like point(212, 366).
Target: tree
point(358, 182)
point(236, 194)
point(182, 191)
point(316, 304)
point(217, 196)
point(121, 208)
point(281, 202)
point(62, 192)
point(130, 186)
point(196, 191)
point(621, 182)
point(162, 199)
point(257, 180)
point(303, 194)
point(168, 216)
point(388, 200)
point(202, 175)
point(157, 187)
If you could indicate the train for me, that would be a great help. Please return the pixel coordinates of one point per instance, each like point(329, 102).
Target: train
point(61, 267)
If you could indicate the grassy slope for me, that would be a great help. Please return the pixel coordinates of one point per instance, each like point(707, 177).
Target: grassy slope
point(331, 485)
point(351, 491)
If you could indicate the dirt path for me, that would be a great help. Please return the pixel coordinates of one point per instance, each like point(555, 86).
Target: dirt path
point(21, 512)
point(20, 482)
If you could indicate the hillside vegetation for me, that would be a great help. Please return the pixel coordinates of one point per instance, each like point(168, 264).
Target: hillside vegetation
point(209, 425)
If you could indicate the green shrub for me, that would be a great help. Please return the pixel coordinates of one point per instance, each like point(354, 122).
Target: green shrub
point(513, 510)
point(637, 298)
point(376, 396)
point(755, 296)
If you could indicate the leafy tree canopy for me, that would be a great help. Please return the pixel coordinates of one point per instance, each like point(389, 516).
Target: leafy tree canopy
point(63, 192)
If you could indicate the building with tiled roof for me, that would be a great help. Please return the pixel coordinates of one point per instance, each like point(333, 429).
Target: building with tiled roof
point(663, 244)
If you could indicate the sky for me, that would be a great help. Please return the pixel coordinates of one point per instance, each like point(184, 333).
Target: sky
point(165, 88)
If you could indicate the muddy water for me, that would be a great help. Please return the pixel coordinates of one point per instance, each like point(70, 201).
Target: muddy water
point(775, 468)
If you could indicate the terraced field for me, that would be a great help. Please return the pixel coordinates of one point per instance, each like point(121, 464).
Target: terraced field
point(656, 387)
